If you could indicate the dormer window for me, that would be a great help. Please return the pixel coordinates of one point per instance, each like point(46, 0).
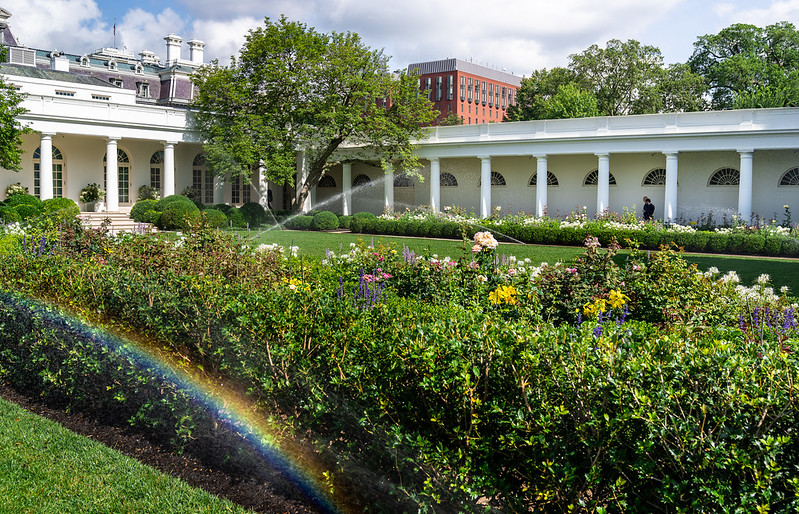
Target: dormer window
point(139, 68)
point(116, 82)
point(112, 65)
point(84, 61)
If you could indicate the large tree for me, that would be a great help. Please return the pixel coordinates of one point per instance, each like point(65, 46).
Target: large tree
point(11, 129)
point(294, 89)
point(749, 66)
point(624, 77)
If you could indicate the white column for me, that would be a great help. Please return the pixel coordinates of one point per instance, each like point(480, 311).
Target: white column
point(541, 185)
point(435, 184)
point(219, 189)
point(603, 183)
point(485, 186)
point(745, 186)
point(46, 167)
point(262, 186)
point(346, 188)
point(388, 192)
point(111, 175)
point(169, 169)
point(670, 197)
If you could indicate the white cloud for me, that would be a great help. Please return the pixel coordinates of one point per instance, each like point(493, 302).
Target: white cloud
point(141, 30)
point(785, 10)
point(223, 38)
point(68, 25)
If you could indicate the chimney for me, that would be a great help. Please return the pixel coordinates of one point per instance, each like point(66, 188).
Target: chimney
point(196, 51)
point(172, 48)
point(148, 57)
point(58, 62)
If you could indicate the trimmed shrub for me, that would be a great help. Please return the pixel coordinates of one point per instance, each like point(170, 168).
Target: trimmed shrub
point(173, 199)
point(324, 220)
point(9, 215)
point(717, 243)
point(790, 247)
point(753, 244)
point(301, 222)
point(140, 207)
point(150, 216)
point(23, 199)
point(651, 239)
point(26, 211)
point(344, 221)
point(215, 218)
point(699, 241)
point(177, 215)
point(359, 220)
point(735, 243)
point(235, 215)
point(772, 245)
point(60, 209)
point(253, 213)
point(220, 207)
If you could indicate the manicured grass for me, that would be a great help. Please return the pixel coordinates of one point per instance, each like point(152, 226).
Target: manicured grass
point(783, 272)
point(45, 468)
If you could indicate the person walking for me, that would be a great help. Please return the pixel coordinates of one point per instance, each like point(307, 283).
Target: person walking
point(649, 209)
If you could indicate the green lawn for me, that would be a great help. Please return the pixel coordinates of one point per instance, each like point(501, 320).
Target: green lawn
point(45, 468)
point(783, 272)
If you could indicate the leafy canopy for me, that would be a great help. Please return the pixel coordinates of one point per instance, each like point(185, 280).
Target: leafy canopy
point(294, 89)
point(749, 66)
point(10, 128)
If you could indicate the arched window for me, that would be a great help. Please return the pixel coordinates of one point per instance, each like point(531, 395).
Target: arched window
point(327, 181)
point(790, 177)
point(84, 60)
point(552, 180)
point(201, 179)
point(592, 179)
point(361, 180)
point(725, 177)
point(112, 65)
point(496, 179)
point(402, 180)
point(58, 172)
point(448, 180)
point(656, 177)
point(123, 175)
point(156, 169)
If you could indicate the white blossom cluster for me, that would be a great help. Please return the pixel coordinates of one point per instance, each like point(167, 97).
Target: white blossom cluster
point(13, 229)
point(674, 227)
point(278, 249)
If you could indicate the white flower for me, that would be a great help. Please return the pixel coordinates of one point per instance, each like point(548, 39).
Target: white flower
point(784, 290)
point(482, 279)
point(730, 278)
point(763, 279)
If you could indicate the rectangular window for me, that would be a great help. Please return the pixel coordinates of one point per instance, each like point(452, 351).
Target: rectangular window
point(143, 89)
point(450, 87)
point(235, 190)
point(208, 193)
point(197, 180)
point(484, 93)
point(476, 91)
point(428, 86)
point(439, 83)
point(36, 180)
point(491, 95)
point(115, 82)
point(64, 93)
point(155, 178)
point(504, 96)
point(469, 91)
point(246, 193)
point(496, 97)
point(101, 97)
point(58, 180)
point(463, 89)
point(124, 184)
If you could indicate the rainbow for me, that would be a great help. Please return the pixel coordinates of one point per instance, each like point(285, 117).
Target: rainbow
point(227, 405)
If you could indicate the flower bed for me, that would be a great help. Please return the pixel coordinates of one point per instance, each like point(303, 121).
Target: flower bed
point(767, 238)
point(461, 382)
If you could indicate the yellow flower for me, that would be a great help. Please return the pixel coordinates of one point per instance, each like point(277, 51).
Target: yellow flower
point(617, 299)
point(594, 308)
point(503, 294)
point(296, 284)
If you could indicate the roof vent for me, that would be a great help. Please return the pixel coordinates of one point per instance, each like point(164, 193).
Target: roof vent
point(21, 55)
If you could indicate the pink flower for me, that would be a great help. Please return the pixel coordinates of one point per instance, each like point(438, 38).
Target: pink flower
point(473, 265)
point(511, 272)
point(572, 270)
point(636, 267)
point(477, 248)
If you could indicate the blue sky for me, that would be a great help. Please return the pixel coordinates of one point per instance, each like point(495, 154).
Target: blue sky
point(517, 35)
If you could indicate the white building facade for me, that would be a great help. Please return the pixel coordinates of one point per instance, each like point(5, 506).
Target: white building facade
point(84, 108)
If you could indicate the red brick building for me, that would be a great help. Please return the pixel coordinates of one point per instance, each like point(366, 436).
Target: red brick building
point(477, 94)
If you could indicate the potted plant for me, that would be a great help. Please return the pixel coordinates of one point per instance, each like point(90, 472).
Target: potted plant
point(92, 195)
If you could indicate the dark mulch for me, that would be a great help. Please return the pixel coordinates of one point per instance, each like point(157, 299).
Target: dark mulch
point(273, 496)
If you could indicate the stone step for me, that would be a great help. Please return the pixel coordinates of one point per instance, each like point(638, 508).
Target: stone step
point(119, 222)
